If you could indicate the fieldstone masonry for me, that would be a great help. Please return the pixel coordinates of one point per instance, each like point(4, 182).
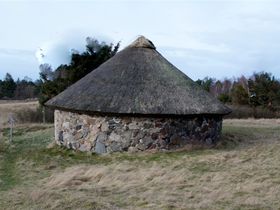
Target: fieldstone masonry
point(111, 134)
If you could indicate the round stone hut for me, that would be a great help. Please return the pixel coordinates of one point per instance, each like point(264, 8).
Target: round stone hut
point(136, 100)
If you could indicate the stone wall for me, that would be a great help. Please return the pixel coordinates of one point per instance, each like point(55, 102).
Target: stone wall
point(110, 134)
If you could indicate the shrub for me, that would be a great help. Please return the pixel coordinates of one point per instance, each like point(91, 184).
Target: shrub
point(29, 115)
point(250, 112)
point(224, 97)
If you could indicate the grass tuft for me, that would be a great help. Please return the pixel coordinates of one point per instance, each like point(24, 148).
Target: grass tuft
point(241, 172)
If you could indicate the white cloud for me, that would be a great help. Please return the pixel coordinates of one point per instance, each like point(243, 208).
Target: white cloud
point(58, 50)
point(208, 38)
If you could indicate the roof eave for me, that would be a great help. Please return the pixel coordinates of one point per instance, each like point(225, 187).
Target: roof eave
point(134, 114)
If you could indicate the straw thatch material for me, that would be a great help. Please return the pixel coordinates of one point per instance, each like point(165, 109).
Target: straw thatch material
point(142, 42)
point(138, 80)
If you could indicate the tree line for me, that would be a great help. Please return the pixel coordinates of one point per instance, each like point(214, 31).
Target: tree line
point(259, 90)
point(19, 89)
point(53, 81)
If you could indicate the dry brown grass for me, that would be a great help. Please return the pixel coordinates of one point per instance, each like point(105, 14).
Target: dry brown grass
point(11, 107)
point(251, 122)
point(245, 175)
point(208, 182)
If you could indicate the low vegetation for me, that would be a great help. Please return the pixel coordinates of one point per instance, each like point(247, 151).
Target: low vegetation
point(23, 111)
point(242, 172)
point(246, 111)
point(9, 107)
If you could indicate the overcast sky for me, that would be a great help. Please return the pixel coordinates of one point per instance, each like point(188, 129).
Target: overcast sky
point(202, 38)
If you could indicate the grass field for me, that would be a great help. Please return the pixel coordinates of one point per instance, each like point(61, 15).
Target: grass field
point(242, 172)
point(8, 107)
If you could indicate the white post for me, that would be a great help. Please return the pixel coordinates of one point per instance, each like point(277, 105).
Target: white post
point(1, 129)
point(11, 122)
point(44, 114)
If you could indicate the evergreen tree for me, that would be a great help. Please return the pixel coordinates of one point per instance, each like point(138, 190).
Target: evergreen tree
point(8, 86)
point(206, 83)
point(54, 82)
point(239, 95)
point(264, 90)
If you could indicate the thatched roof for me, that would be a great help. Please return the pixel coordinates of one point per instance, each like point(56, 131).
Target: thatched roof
point(138, 80)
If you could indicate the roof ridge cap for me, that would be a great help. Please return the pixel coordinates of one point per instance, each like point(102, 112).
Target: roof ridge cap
point(142, 42)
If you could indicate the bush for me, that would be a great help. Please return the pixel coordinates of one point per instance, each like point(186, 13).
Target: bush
point(34, 115)
point(224, 97)
point(249, 112)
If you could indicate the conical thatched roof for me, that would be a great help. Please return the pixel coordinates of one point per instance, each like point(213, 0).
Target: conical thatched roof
point(138, 80)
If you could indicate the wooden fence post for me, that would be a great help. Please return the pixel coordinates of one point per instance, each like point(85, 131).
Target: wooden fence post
point(11, 122)
point(1, 129)
point(44, 114)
